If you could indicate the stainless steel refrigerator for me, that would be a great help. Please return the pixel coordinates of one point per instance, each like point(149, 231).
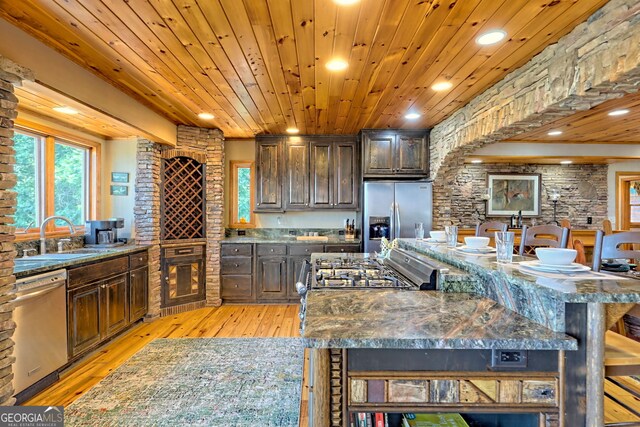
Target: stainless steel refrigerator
point(391, 210)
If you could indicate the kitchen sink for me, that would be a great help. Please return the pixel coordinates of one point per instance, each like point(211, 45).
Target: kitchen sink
point(56, 256)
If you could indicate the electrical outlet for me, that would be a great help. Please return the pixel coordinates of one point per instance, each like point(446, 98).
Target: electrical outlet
point(242, 232)
point(508, 358)
point(292, 232)
point(340, 232)
point(589, 220)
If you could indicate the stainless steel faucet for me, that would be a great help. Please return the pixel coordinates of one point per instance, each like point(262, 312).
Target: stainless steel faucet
point(43, 246)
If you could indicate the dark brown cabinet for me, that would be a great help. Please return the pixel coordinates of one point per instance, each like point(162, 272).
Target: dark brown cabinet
point(334, 175)
point(182, 275)
point(271, 275)
point(307, 173)
point(103, 299)
point(297, 176)
point(395, 153)
point(269, 168)
point(236, 272)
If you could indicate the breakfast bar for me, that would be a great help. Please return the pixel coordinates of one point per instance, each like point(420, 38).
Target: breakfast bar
point(477, 345)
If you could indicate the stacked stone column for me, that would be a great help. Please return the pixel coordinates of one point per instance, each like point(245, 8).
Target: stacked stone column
point(11, 75)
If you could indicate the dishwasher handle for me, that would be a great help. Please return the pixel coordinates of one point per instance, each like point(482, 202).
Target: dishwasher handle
point(40, 291)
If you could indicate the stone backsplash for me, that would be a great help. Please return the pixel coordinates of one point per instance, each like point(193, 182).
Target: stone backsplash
point(583, 192)
point(283, 232)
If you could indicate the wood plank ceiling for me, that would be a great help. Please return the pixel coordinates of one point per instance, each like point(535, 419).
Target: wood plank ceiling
point(259, 65)
point(593, 126)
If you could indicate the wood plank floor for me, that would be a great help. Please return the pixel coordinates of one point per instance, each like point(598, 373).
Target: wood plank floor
point(242, 321)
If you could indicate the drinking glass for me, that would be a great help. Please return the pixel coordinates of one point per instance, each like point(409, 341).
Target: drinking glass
point(504, 246)
point(452, 235)
point(419, 228)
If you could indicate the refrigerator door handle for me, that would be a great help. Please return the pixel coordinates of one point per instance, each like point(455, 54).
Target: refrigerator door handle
point(397, 220)
point(392, 215)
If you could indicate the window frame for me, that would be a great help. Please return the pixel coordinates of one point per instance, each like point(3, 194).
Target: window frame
point(46, 179)
point(623, 201)
point(234, 165)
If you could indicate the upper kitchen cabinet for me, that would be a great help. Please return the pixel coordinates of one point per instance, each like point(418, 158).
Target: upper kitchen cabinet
point(269, 173)
point(395, 153)
point(307, 173)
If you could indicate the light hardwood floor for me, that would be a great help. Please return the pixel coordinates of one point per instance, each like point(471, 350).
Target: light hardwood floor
point(236, 321)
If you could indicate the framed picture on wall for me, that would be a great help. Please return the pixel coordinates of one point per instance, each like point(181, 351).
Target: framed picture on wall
point(119, 176)
point(511, 193)
point(119, 190)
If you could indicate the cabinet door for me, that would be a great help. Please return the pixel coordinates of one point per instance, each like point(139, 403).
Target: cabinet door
point(271, 278)
point(269, 175)
point(183, 280)
point(378, 153)
point(346, 180)
point(138, 283)
point(116, 309)
point(297, 176)
point(321, 175)
point(411, 155)
point(83, 318)
point(294, 266)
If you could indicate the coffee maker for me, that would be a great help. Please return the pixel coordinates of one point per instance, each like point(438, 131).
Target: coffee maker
point(103, 233)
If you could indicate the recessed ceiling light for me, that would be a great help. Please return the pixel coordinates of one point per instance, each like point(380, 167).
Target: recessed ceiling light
point(412, 116)
point(337, 64)
point(438, 87)
point(206, 116)
point(293, 130)
point(554, 133)
point(491, 37)
point(566, 162)
point(65, 110)
point(618, 112)
point(476, 161)
point(346, 2)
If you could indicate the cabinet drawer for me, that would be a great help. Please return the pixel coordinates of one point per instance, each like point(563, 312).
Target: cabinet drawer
point(236, 287)
point(236, 265)
point(272, 249)
point(342, 248)
point(183, 251)
point(305, 249)
point(235, 249)
point(93, 272)
point(138, 260)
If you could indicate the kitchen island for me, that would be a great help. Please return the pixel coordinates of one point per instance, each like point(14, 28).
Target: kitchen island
point(500, 347)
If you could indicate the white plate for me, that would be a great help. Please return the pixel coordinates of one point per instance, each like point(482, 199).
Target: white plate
point(432, 240)
point(485, 250)
point(537, 265)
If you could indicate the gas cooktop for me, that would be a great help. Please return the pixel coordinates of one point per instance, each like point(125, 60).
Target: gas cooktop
point(353, 273)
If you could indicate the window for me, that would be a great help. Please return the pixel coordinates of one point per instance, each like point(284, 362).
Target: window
point(241, 195)
point(53, 177)
point(628, 201)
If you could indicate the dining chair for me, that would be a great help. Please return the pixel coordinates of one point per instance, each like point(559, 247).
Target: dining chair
point(606, 226)
point(608, 246)
point(581, 257)
point(549, 236)
point(567, 224)
point(489, 228)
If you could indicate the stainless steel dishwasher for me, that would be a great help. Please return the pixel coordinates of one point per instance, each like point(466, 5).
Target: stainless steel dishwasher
point(41, 329)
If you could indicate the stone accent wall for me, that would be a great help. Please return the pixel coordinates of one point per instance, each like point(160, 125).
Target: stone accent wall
point(207, 144)
point(583, 191)
point(147, 214)
point(11, 75)
point(597, 61)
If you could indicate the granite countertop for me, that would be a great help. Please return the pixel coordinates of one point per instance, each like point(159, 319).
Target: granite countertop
point(421, 320)
point(615, 290)
point(36, 265)
point(290, 240)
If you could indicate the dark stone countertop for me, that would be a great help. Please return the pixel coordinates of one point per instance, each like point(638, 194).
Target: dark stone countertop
point(36, 265)
point(421, 320)
point(290, 240)
point(570, 290)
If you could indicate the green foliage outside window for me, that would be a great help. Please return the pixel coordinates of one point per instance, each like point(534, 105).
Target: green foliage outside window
point(69, 183)
point(244, 194)
point(26, 186)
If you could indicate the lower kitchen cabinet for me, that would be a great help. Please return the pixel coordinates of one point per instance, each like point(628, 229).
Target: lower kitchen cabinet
point(182, 275)
point(101, 305)
point(271, 276)
point(276, 268)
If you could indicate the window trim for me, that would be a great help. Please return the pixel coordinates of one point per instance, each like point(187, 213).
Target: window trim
point(623, 214)
point(50, 136)
point(234, 165)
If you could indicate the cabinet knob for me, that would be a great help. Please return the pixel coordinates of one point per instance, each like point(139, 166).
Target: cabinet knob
point(271, 250)
point(235, 286)
point(103, 286)
point(166, 278)
point(140, 259)
point(133, 275)
point(341, 249)
point(306, 250)
point(258, 204)
point(235, 250)
point(236, 265)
